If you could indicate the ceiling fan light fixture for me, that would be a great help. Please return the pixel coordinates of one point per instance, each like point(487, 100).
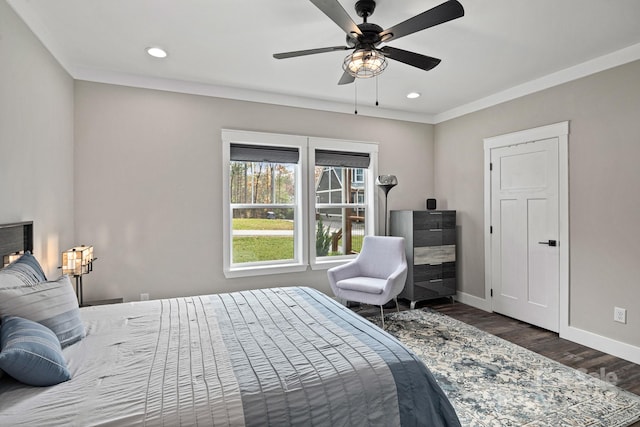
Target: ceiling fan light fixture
point(365, 63)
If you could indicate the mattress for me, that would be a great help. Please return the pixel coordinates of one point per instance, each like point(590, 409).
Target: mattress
point(281, 356)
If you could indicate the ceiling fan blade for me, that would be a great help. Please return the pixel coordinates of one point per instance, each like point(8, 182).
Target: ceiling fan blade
point(447, 11)
point(293, 54)
point(346, 79)
point(337, 14)
point(410, 58)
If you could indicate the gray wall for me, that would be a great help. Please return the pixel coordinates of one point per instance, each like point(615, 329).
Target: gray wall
point(149, 197)
point(604, 202)
point(36, 140)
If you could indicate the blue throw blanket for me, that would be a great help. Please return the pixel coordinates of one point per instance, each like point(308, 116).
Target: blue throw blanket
point(300, 358)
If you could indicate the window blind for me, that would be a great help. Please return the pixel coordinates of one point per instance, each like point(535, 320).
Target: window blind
point(342, 158)
point(263, 153)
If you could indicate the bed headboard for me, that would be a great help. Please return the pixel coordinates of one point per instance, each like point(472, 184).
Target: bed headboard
point(15, 237)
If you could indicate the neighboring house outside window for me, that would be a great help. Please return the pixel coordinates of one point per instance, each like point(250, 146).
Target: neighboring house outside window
point(358, 176)
point(286, 205)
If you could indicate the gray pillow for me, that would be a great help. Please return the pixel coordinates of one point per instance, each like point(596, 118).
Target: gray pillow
point(53, 304)
point(25, 271)
point(31, 353)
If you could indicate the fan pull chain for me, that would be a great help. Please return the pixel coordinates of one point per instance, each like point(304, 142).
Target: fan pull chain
point(376, 91)
point(355, 87)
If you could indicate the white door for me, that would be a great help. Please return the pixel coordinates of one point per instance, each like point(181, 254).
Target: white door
point(524, 239)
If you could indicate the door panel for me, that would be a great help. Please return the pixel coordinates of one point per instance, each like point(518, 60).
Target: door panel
point(521, 171)
point(539, 280)
point(512, 266)
point(524, 213)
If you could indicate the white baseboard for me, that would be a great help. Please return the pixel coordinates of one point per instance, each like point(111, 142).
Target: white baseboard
point(598, 342)
point(607, 345)
point(473, 301)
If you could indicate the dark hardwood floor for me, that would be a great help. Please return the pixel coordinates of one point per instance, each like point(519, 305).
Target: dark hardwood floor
point(620, 372)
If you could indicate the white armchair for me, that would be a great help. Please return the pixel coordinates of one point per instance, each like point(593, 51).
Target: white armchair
point(376, 276)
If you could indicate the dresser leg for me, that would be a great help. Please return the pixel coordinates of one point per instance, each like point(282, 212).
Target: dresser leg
point(413, 305)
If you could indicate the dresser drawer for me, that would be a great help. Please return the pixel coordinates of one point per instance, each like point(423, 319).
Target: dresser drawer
point(435, 288)
point(434, 237)
point(426, 272)
point(426, 220)
point(420, 293)
point(434, 254)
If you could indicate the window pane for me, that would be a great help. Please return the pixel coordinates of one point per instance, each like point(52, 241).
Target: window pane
point(262, 234)
point(266, 233)
point(261, 182)
point(339, 231)
point(358, 176)
point(339, 185)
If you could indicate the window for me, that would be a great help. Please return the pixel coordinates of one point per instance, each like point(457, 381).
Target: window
point(292, 202)
point(358, 176)
point(263, 200)
point(340, 208)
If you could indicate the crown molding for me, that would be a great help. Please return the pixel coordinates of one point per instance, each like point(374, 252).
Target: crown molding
point(240, 94)
point(602, 63)
point(605, 62)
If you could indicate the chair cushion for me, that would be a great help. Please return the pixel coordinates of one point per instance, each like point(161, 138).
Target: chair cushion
point(369, 285)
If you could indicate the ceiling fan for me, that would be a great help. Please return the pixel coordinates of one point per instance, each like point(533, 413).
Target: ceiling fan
point(367, 59)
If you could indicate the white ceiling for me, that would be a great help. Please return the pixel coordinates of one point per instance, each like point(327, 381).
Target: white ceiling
point(499, 50)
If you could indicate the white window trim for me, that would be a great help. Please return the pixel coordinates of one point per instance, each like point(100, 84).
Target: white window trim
point(301, 262)
point(304, 242)
point(371, 172)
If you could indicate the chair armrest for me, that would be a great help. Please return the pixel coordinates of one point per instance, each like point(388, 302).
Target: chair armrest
point(402, 268)
point(345, 271)
point(395, 282)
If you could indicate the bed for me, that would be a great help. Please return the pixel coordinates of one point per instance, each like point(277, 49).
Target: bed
point(278, 356)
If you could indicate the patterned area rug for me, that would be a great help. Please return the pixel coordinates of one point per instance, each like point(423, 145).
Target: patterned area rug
point(492, 382)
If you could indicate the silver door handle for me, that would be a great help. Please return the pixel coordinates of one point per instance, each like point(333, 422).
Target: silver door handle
point(549, 242)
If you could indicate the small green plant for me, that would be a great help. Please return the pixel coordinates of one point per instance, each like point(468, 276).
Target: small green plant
point(323, 239)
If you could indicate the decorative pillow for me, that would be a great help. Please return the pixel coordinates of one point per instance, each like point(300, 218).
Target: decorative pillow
point(31, 353)
point(25, 271)
point(53, 304)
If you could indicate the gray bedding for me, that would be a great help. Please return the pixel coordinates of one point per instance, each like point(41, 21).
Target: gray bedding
point(282, 356)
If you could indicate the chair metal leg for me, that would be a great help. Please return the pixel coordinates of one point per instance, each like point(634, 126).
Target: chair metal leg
point(382, 316)
point(397, 306)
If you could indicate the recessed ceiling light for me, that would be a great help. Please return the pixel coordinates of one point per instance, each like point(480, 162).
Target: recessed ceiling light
point(156, 52)
point(413, 95)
